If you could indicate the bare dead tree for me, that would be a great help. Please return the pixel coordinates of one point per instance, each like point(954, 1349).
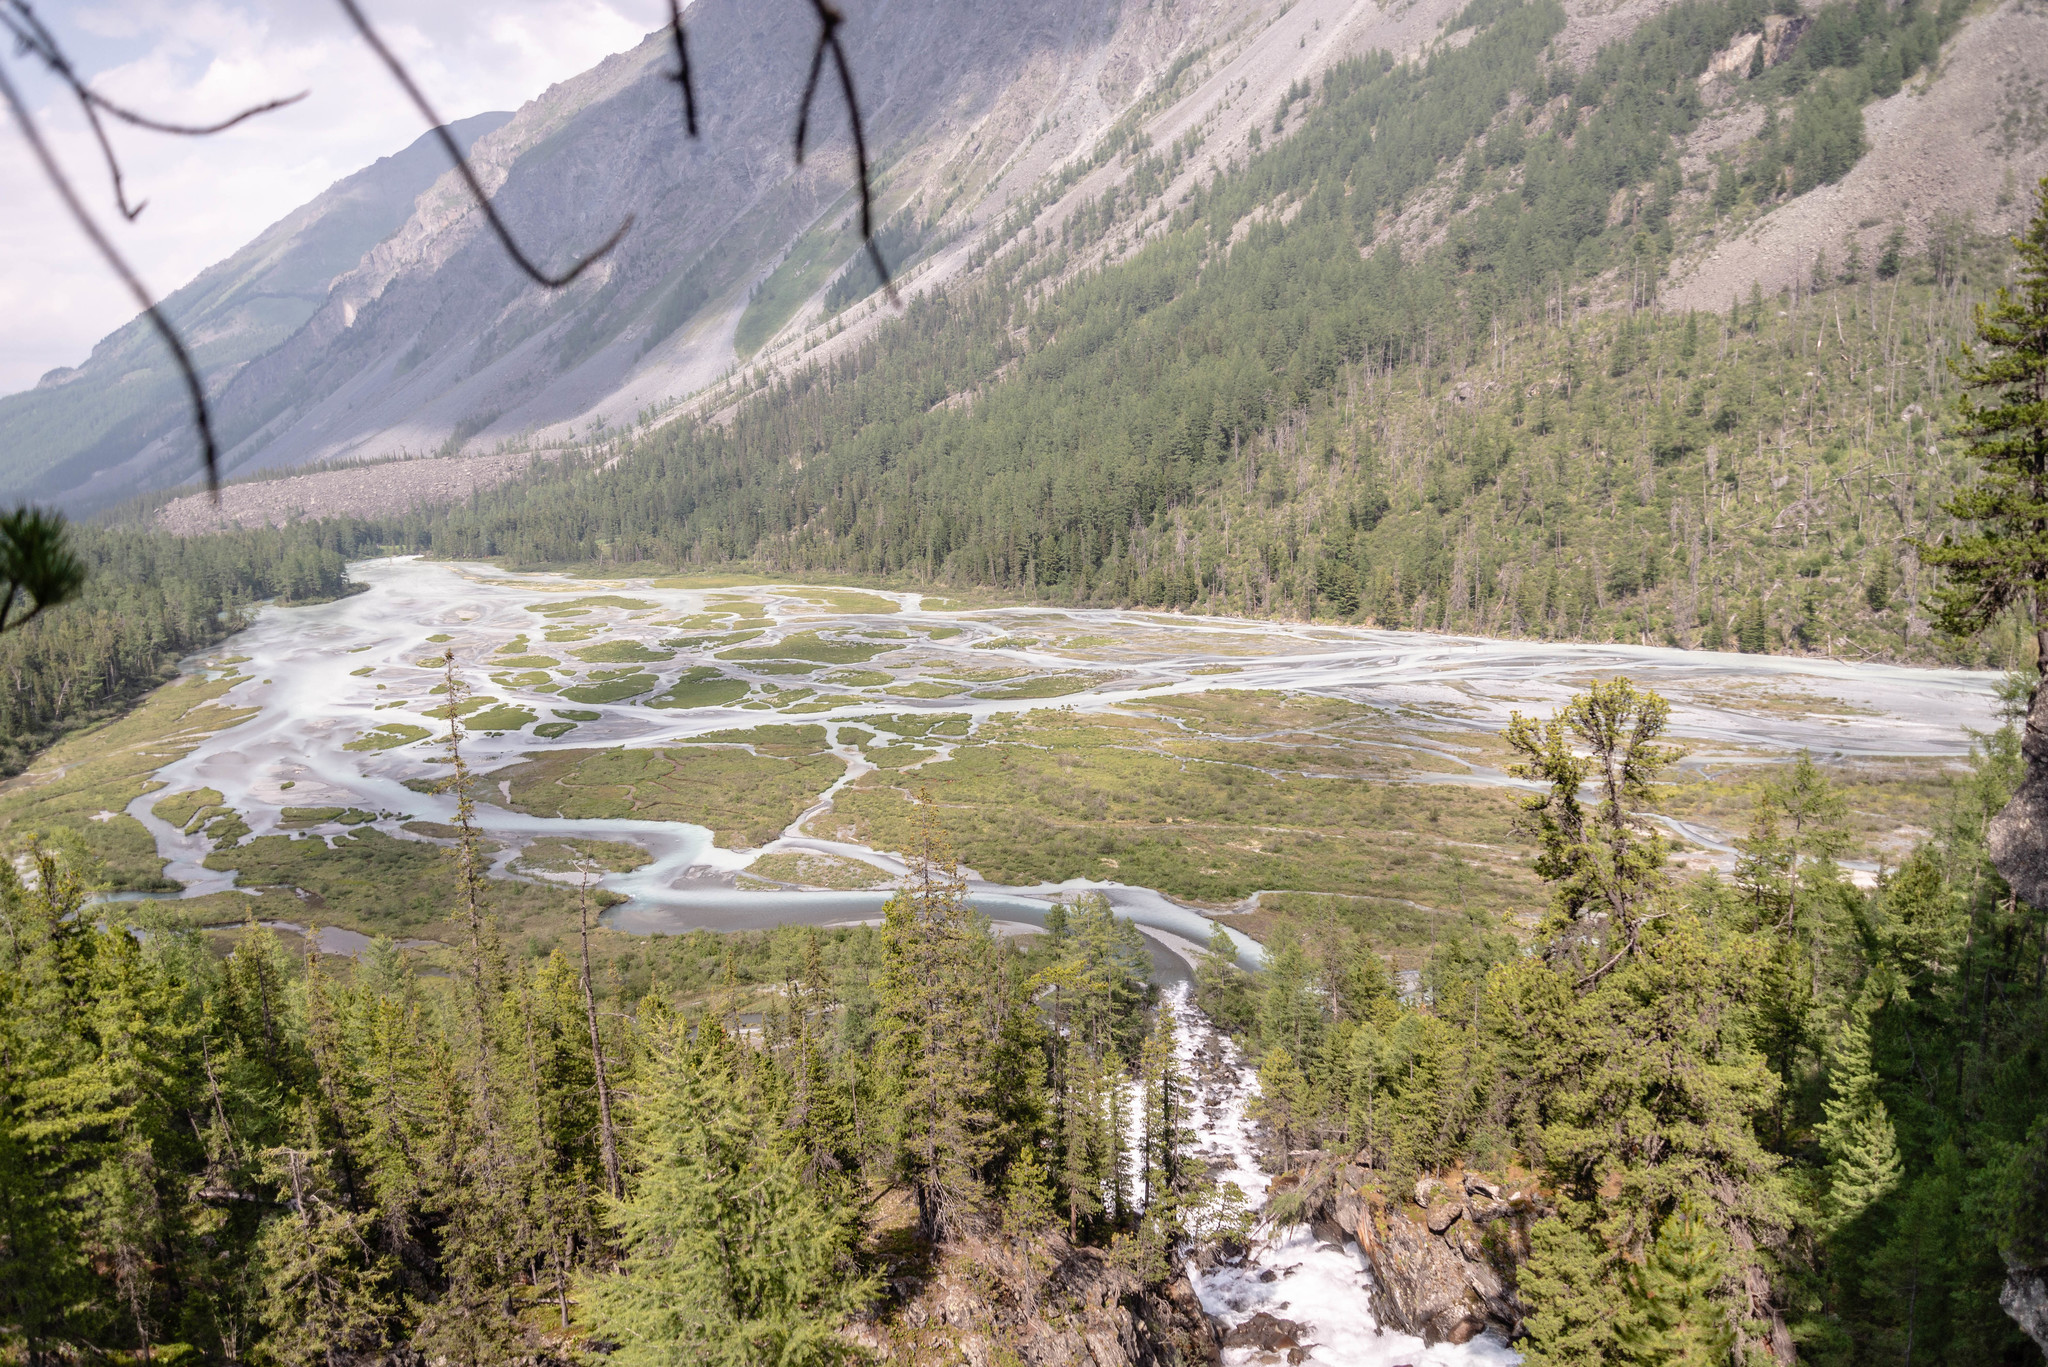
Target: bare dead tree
point(33, 38)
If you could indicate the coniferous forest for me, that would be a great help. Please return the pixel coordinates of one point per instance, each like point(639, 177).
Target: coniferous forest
point(1771, 1114)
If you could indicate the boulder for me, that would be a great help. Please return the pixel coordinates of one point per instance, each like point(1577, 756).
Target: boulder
point(1273, 1338)
point(1068, 1307)
point(2025, 1298)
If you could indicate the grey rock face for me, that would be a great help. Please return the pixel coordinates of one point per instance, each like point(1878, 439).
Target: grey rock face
point(92, 418)
point(2025, 1298)
point(1443, 1268)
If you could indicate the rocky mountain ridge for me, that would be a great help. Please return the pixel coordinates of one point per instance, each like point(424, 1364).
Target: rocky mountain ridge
point(984, 127)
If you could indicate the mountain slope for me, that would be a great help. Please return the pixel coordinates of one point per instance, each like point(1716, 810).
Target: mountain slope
point(1400, 367)
point(78, 420)
point(432, 341)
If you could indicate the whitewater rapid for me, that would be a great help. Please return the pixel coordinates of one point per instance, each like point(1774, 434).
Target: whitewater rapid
point(1288, 1272)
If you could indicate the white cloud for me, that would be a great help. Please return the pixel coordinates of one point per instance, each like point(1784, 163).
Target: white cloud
point(199, 59)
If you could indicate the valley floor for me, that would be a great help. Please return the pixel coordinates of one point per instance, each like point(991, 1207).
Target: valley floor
point(727, 753)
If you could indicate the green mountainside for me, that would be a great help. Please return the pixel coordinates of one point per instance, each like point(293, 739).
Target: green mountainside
point(1275, 403)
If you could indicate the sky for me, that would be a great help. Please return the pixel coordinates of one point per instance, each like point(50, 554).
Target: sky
point(200, 60)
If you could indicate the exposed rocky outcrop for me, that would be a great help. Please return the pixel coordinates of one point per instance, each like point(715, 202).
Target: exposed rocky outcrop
point(1444, 1255)
point(976, 1303)
point(2025, 1298)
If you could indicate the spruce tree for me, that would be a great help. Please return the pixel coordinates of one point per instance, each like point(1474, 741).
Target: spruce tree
point(2003, 563)
point(1678, 1314)
point(938, 965)
point(1167, 1137)
point(1862, 1147)
point(731, 1256)
point(1283, 1099)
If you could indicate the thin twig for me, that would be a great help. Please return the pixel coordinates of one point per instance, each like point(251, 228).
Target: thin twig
point(20, 22)
point(202, 417)
point(682, 72)
point(829, 20)
point(469, 178)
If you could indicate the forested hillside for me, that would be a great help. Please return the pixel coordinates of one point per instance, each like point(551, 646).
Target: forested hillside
point(149, 600)
point(1296, 391)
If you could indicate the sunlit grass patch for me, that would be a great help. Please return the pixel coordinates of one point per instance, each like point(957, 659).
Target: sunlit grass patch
point(808, 645)
point(389, 736)
point(380, 884)
point(584, 604)
point(826, 702)
point(924, 688)
point(702, 686)
point(1050, 795)
point(621, 652)
point(850, 601)
point(616, 687)
point(572, 855)
point(711, 641)
point(476, 702)
point(1045, 686)
point(743, 798)
point(504, 717)
point(86, 780)
point(182, 809)
point(806, 868)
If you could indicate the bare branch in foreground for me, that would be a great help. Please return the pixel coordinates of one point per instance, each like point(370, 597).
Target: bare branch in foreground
point(202, 417)
point(469, 178)
point(829, 20)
